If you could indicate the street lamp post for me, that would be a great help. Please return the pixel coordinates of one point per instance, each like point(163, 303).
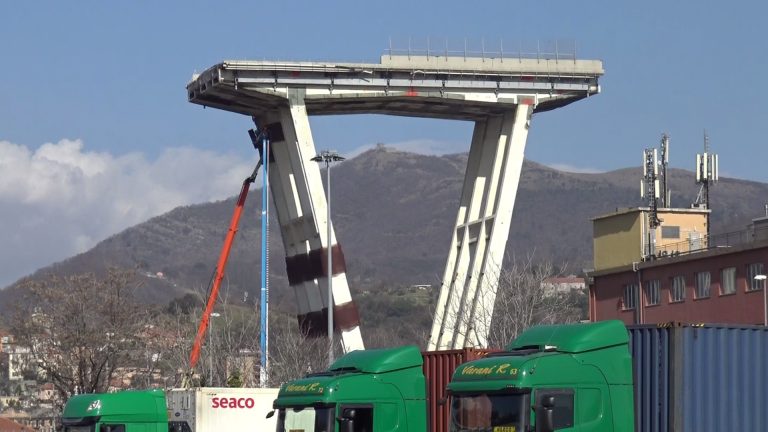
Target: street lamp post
point(328, 156)
point(210, 357)
point(762, 277)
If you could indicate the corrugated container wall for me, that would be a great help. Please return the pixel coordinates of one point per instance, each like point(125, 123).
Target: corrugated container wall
point(438, 370)
point(700, 378)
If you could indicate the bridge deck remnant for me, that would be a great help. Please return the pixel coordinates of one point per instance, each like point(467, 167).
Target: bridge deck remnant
point(421, 86)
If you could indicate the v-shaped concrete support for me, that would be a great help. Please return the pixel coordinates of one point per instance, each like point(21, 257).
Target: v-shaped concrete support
point(301, 206)
point(468, 291)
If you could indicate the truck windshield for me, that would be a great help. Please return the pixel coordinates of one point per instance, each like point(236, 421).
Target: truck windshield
point(492, 412)
point(305, 419)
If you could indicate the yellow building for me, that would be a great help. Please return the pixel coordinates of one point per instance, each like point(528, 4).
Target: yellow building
point(623, 237)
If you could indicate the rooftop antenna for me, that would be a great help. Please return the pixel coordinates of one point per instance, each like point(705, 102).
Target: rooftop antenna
point(665, 194)
point(649, 189)
point(707, 168)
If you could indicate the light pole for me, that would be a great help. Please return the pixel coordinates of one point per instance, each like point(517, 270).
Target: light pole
point(210, 358)
point(328, 156)
point(762, 277)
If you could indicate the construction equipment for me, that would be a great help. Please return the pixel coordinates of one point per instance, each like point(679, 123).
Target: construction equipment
point(221, 266)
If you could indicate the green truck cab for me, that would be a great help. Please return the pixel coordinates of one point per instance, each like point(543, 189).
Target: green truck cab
point(126, 411)
point(558, 377)
point(363, 391)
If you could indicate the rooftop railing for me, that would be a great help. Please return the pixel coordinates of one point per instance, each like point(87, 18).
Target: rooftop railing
point(714, 241)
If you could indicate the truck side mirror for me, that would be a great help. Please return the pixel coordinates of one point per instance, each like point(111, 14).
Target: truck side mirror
point(545, 418)
point(347, 420)
point(270, 414)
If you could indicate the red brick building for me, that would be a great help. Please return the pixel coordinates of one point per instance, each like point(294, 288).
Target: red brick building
point(713, 283)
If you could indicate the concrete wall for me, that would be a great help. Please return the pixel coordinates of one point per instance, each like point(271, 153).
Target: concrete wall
point(689, 223)
point(617, 240)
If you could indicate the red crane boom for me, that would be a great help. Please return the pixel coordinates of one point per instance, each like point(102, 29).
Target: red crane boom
point(194, 356)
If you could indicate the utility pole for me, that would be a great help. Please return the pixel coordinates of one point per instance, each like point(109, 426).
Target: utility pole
point(328, 156)
point(264, 333)
point(210, 359)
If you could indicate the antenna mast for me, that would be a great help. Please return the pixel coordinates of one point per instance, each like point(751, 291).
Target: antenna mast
point(649, 188)
point(664, 194)
point(707, 173)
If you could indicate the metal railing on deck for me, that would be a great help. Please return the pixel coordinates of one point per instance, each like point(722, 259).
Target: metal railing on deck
point(485, 49)
point(714, 241)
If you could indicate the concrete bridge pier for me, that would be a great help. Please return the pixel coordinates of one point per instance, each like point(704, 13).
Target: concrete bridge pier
point(297, 190)
point(468, 291)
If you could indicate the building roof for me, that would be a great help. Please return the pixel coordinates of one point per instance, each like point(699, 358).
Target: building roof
point(697, 255)
point(628, 210)
point(8, 425)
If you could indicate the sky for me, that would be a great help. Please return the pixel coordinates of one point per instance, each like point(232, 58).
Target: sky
point(96, 134)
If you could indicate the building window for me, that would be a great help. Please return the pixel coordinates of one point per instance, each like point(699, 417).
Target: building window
point(702, 284)
point(630, 296)
point(678, 289)
point(728, 280)
point(753, 270)
point(652, 292)
point(670, 232)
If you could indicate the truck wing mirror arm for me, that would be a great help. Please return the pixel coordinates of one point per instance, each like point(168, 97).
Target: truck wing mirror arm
point(546, 419)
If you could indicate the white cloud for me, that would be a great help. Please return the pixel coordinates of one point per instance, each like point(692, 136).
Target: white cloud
point(60, 199)
point(574, 169)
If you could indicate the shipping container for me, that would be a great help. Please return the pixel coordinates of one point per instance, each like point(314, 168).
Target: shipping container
point(700, 378)
point(211, 409)
point(438, 369)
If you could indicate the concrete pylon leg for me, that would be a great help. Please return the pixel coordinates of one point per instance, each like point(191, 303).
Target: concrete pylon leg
point(297, 191)
point(468, 291)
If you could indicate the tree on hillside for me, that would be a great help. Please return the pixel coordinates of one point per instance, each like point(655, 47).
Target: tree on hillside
point(293, 354)
point(80, 330)
point(231, 352)
point(517, 301)
point(522, 301)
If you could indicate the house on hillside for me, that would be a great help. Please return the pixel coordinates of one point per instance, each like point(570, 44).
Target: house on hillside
point(686, 276)
point(563, 284)
point(18, 356)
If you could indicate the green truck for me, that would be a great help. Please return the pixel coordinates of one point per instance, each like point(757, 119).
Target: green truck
point(379, 389)
point(126, 411)
point(576, 377)
point(581, 377)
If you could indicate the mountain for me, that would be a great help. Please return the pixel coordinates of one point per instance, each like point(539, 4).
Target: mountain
point(393, 214)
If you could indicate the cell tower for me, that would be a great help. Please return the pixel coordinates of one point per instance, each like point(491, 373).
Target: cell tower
point(664, 194)
point(707, 167)
point(649, 189)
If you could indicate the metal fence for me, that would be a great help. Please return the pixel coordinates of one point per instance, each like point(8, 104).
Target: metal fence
point(484, 49)
point(714, 241)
